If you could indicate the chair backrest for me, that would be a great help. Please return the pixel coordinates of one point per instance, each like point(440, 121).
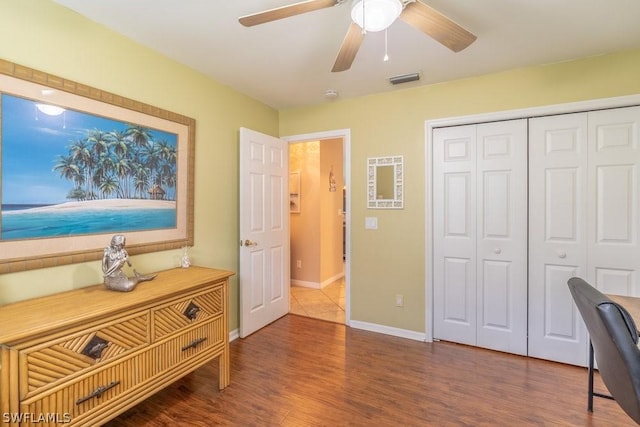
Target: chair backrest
point(614, 337)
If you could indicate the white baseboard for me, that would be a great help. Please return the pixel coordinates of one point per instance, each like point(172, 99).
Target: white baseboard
point(305, 284)
point(317, 285)
point(388, 330)
point(371, 327)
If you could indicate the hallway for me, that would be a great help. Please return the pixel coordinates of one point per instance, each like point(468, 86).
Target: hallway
point(326, 303)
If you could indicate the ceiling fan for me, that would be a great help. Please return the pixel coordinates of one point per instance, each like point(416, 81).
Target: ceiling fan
point(374, 15)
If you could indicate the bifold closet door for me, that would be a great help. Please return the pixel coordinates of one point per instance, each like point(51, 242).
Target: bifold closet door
point(454, 234)
point(584, 221)
point(614, 223)
point(480, 230)
point(557, 236)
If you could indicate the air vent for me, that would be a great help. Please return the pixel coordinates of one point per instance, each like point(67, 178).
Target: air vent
point(405, 78)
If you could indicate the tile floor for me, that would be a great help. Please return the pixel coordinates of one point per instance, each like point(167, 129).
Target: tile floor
point(326, 303)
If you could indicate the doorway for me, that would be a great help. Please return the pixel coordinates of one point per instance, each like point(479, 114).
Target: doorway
point(319, 225)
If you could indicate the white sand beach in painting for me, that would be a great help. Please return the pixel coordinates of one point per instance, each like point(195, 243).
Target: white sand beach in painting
point(103, 204)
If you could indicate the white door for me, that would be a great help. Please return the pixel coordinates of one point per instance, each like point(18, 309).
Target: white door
point(454, 234)
point(502, 236)
point(557, 235)
point(264, 230)
point(614, 220)
point(480, 246)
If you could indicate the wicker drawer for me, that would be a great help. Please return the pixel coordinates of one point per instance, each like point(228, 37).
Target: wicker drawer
point(205, 339)
point(184, 312)
point(80, 399)
point(55, 361)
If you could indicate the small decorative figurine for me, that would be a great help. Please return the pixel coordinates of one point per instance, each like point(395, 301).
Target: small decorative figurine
point(114, 258)
point(185, 262)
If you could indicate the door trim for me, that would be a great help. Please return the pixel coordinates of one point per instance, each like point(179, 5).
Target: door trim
point(345, 134)
point(525, 113)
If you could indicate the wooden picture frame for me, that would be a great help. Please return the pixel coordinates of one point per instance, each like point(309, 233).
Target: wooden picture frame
point(143, 187)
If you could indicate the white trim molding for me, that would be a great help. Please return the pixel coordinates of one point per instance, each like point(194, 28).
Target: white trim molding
point(345, 134)
point(388, 330)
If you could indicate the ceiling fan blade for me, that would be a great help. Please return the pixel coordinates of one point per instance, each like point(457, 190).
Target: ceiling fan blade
point(436, 25)
point(349, 48)
point(285, 12)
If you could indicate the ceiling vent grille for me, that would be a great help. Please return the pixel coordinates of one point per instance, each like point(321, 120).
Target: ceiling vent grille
point(405, 78)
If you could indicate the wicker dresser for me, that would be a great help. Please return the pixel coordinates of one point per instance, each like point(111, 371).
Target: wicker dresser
point(84, 356)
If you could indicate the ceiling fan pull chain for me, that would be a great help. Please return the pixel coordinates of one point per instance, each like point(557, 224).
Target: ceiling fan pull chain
point(364, 18)
point(386, 46)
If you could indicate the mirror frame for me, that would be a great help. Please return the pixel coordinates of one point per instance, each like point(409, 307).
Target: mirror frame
point(398, 172)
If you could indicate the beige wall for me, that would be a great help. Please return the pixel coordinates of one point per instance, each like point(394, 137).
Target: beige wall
point(316, 232)
point(304, 157)
point(391, 259)
point(42, 35)
point(384, 262)
point(331, 205)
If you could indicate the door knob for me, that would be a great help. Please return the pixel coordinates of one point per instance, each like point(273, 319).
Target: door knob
point(249, 243)
point(561, 254)
point(497, 251)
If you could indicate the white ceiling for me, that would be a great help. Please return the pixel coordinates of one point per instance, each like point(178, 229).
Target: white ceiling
point(287, 63)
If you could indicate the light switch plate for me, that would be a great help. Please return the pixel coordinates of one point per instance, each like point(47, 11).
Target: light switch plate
point(371, 223)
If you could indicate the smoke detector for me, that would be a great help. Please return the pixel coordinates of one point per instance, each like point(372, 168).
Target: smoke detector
point(331, 94)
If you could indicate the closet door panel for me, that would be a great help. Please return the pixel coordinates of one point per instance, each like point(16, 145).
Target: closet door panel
point(614, 158)
point(454, 201)
point(557, 235)
point(502, 236)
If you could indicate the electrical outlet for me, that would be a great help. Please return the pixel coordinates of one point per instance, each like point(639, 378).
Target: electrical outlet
point(399, 300)
point(299, 263)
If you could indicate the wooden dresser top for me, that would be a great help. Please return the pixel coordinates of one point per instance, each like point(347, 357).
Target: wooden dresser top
point(33, 317)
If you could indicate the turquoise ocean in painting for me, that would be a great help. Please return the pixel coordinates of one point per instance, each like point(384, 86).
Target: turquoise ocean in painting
point(50, 161)
point(23, 224)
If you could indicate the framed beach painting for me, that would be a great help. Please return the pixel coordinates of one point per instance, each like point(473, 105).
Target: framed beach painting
point(79, 164)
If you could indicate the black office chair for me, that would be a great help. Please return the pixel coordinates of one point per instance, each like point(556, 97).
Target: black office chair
point(613, 338)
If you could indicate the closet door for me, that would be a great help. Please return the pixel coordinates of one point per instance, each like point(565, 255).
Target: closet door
point(502, 236)
point(557, 235)
point(614, 159)
point(480, 210)
point(454, 234)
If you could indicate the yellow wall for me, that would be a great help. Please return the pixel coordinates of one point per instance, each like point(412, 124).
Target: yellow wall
point(42, 35)
point(385, 262)
point(391, 260)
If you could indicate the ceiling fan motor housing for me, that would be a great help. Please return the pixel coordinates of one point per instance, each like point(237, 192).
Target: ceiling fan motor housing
point(375, 15)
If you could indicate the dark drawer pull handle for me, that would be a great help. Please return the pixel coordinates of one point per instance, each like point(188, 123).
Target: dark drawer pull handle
point(192, 311)
point(97, 392)
point(194, 343)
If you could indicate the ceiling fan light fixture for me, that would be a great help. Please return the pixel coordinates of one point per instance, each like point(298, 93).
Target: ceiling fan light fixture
point(375, 15)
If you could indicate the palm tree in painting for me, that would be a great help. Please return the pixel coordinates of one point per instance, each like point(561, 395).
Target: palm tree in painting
point(166, 165)
point(121, 168)
point(109, 185)
point(68, 169)
point(99, 140)
point(123, 164)
point(139, 135)
point(81, 152)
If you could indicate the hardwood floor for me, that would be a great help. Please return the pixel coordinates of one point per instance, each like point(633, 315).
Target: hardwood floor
point(300, 371)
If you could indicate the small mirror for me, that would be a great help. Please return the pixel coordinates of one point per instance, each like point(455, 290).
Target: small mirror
point(385, 182)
